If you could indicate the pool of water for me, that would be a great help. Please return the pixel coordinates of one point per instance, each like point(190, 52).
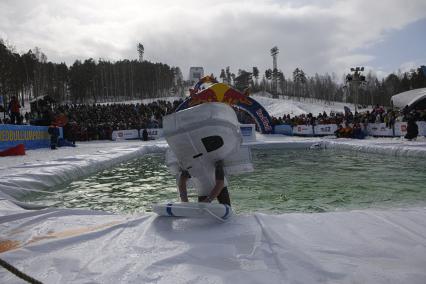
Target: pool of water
point(284, 181)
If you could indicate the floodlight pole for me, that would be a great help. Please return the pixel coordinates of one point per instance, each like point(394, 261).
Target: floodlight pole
point(355, 80)
point(274, 53)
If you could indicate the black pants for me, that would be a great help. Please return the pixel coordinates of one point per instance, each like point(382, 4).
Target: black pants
point(223, 197)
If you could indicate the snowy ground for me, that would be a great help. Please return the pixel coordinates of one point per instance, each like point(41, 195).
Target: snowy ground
point(279, 107)
point(81, 246)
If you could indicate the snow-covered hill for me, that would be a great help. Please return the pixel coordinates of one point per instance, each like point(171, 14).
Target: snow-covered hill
point(279, 107)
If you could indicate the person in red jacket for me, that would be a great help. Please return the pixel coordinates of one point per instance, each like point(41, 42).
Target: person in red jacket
point(14, 108)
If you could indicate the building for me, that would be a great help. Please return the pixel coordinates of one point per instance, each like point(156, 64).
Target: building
point(195, 73)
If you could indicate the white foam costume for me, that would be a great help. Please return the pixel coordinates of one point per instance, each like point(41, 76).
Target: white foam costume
point(199, 137)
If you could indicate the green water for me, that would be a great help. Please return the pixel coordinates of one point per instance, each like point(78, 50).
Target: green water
point(283, 181)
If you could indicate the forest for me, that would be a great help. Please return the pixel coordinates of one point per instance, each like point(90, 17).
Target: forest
point(31, 75)
point(328, 88)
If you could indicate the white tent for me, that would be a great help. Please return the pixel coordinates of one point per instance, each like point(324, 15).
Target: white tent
point(409, 97)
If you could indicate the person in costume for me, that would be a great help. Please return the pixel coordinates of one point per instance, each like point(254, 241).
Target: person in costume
point(219, 191)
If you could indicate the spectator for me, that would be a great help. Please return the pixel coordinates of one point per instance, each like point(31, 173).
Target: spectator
point(357, 132)
point(54, 136)
point(339, 131)
point(145, 135)
point(14, 110)
point(412, 129)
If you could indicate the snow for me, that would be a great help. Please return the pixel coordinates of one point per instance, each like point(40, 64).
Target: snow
point(279, 107)
point(57, 245)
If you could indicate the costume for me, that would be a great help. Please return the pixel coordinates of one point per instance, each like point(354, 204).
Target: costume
point(200, 138)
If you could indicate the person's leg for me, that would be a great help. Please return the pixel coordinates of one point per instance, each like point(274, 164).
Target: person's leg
point(12, 118)
point(223, 197)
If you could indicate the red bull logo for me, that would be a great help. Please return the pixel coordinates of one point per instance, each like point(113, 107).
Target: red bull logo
point(205, 96)
point(234, 97)
point(220, 93)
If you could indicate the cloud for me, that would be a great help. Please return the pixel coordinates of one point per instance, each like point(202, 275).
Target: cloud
point(316, 36)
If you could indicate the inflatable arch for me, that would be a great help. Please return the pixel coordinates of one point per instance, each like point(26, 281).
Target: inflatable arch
point(220, 92)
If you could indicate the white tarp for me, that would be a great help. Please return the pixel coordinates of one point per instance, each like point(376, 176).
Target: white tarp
point(80, 246)
point(409, 97)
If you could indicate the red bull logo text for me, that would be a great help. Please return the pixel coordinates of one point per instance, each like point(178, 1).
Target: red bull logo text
point(233, 97)
point(220, 93)
point(264, 120)
point(205, 96)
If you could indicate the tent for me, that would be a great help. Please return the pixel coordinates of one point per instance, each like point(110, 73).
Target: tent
point(413, 99)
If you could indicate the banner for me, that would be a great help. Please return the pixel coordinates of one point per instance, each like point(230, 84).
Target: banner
point(304, 130)
point(153, 133)
point(422, 128)
point(125, 134)
point(325, 129)
point(401, 128)
point(31, 136)
point(379, 129)
point(248, 132)
point(284, 129)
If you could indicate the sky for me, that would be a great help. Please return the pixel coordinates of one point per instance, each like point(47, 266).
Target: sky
point(328, 36)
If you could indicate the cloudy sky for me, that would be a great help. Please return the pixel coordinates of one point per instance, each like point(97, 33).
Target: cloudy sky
point(317, 36)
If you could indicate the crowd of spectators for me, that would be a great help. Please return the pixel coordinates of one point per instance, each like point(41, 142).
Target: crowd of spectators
point(377, 115)
point(98, 121)
point(353, 125)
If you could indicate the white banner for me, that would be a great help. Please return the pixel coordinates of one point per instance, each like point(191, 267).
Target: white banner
point(125, 134)
point(303, 130)
point(379, 129)
point(400, 128)
point(248, 132)
point(154, 133)
point(422, 127)
point(325, 129)
point(373, 129)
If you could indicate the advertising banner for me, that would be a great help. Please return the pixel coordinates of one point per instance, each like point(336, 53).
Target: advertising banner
point(400, 128)
point(284, 129)
point(422, 128)
point(379, 129)
point(153, 133)
point(125, 134)
point(305, 130)
point(31, 136)
point(325, 129)
point(248, 132)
